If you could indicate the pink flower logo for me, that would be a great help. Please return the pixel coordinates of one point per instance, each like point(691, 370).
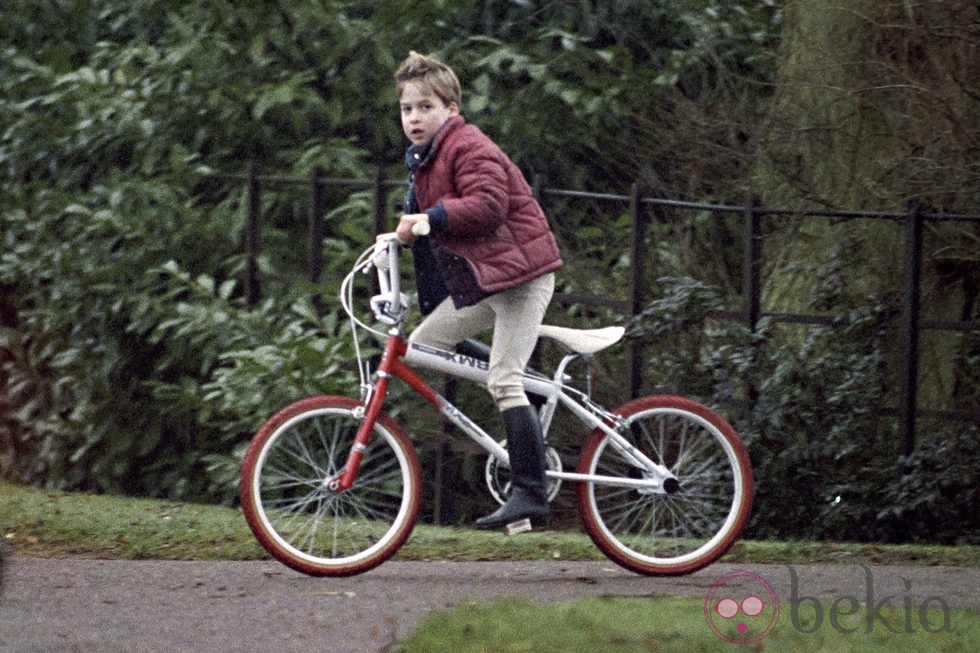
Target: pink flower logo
point(741, 607)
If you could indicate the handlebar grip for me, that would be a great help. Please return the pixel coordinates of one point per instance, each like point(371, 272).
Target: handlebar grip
point(421, 228)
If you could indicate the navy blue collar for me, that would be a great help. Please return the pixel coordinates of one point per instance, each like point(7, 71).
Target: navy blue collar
point(416, 155)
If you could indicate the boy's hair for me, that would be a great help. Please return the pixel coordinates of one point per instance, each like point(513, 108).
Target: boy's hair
point(439, 77)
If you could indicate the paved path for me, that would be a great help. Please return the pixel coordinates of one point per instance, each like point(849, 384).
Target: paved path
point(83, 606)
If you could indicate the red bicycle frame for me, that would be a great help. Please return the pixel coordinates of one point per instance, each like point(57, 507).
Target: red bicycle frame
point(390, 307)
point(391, 365)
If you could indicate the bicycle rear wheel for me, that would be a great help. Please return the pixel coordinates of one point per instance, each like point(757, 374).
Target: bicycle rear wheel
point(302, 523)
point(686, 526)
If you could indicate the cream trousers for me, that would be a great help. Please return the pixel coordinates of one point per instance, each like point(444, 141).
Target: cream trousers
point(515, 316)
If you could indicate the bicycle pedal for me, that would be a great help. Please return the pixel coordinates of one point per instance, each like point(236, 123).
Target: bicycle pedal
point(520, 526)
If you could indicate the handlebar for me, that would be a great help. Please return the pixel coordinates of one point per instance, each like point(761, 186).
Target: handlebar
point(390, 305)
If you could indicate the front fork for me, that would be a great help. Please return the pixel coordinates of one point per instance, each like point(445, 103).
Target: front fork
point(394, 348)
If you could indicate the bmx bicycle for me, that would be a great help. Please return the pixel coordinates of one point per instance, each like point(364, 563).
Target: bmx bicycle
point(331, 485)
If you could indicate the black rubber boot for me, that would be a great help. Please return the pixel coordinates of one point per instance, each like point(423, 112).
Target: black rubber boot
point(528, 496)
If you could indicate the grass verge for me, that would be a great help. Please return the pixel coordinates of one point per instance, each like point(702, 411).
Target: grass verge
point(668, 624)
point(49, 523)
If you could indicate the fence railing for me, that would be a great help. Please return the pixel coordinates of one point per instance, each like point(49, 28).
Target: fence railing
point(751, 213)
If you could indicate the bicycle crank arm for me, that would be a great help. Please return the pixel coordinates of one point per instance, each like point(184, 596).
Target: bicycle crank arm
point(669, 485)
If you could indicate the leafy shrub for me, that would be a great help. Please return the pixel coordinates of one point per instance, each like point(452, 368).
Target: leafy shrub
point(125, 373)
point(826, 463)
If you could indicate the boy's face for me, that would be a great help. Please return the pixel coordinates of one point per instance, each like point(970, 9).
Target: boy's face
point(423, 112)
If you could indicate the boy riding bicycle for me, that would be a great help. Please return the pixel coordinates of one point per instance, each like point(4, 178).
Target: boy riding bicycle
point(489, 260)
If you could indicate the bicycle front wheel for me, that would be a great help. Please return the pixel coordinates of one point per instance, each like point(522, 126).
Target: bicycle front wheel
point(303, 524)
point(684, 526)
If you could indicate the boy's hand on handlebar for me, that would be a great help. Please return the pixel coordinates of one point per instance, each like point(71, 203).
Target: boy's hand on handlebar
point(411, 226)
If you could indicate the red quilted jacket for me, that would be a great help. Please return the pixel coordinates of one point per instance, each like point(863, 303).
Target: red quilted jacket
point(489, 233)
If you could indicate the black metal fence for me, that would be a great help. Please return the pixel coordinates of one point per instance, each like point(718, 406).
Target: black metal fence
point(640, 207)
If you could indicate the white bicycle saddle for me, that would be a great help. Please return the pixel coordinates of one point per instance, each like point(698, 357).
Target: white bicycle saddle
point(583, 341)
